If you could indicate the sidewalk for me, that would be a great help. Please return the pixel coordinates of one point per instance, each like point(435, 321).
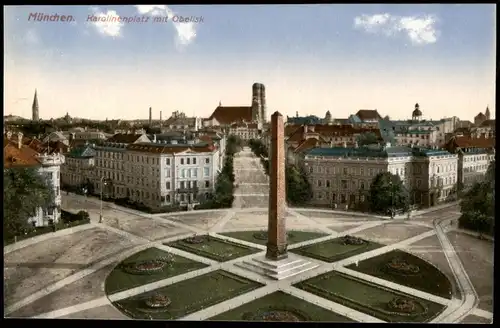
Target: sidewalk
point(397, 217)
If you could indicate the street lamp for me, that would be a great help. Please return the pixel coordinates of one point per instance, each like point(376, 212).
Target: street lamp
point(392, 199)
point(103, 183)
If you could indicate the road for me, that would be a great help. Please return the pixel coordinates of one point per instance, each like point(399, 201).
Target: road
point(252, 183)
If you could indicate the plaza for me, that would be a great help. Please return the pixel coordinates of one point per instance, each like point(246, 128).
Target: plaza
point(65, 274)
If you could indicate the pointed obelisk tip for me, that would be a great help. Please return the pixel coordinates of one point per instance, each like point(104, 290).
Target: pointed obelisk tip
point(277, 114)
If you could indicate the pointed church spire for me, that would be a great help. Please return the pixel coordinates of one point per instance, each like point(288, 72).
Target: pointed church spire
point(487, 113)
point(34, 107)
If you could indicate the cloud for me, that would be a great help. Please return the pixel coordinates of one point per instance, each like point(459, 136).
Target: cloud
point(420, 30)
point(107, 24)
point(186, 32)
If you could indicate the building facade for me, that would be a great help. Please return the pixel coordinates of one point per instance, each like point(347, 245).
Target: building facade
point(18, 155)
point(342, 176)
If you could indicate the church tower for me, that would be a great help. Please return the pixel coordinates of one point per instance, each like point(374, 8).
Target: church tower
point(34, 109)
point(487, 113)
point(417, 113)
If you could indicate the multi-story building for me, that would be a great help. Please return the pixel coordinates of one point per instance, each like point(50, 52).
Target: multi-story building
point(110, 163)
point(79, 167)
point(302, 138)
point(475, 155)
point(343, 176)
point(423, 133)
point(16, 154)
point(160, 174)
point(246, 131)
point(180, 122)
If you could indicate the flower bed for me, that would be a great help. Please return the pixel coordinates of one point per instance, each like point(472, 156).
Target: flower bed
point(406, 307)
point(399, 266)
point(350, 240)
point(198, 239)
point(147, 266)
point(156, 303)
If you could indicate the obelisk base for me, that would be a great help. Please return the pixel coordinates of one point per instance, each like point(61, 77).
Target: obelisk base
point(276, 252)
point(288, 267)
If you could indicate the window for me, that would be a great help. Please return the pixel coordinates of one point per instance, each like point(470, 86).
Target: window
point(362, 186)
point(182, 161)
point(328, 183)
point(310, 169)
point(206, 171)
point(188, 161)
point(167, 161)
point(182, 197)
point(195, 173)
point(319, 183)
point(183, 173)
point(344, 184)
point(182, 185)
point(167, 198)
point(194, 160)
point(167, 185)
point(207, 160)
point(362, 171)
point(207, 184)
point(345, 171)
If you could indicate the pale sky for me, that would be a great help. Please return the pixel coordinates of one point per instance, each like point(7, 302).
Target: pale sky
point(311, 58)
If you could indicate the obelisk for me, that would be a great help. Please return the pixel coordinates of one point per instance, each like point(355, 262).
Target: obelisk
point(276, 229)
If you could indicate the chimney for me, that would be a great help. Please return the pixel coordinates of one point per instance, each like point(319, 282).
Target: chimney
point(150, 115)
point(160, 117)
point(154, 138)
point(19, 140)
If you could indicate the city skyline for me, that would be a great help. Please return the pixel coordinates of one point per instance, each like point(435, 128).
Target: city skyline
point(311, 58)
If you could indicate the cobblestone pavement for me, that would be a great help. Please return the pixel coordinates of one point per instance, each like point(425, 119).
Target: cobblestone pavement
point(77, 290)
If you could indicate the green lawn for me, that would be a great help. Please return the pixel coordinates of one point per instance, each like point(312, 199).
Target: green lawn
point(190, 295)
point(429, 279)
point(294, 237)
point(215, 249)
point(333, 250)
point(119, 280)
point(280, 301)
point(367, 298)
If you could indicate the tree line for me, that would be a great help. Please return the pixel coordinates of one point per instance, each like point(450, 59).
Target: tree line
point(478, 205)
point(224, 185)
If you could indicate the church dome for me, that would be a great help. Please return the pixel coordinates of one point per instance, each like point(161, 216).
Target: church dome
point(416, 112)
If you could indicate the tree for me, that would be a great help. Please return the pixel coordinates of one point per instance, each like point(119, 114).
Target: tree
point(367, 138)
point(387, 194)
point(25, 191)
point(298, 189)
point(478, 205)
point(234, 145)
